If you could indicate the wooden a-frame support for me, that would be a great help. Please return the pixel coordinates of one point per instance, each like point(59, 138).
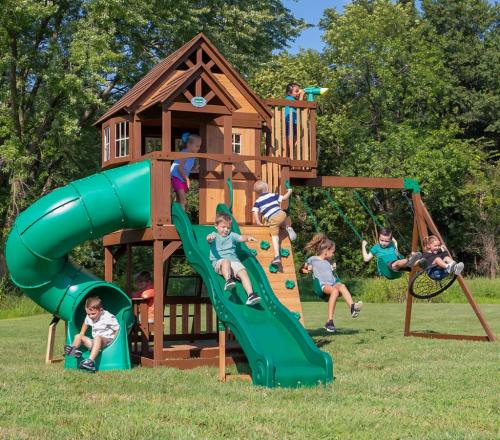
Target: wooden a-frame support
point(422, 221)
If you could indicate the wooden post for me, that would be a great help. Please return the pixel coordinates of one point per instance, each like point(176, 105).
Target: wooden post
point(409, 297)
point(222, 353)
point(166, 130)
point(136, 137)
point(129, 269)
point(158, 300)
point(108, 264)
point(419, 217)
point(228, 150)
point(49, 354)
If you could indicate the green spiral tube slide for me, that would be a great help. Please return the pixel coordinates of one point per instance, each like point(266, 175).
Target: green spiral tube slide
point(42, 236)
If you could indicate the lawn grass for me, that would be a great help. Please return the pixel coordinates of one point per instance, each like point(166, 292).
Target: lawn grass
point(387, 387)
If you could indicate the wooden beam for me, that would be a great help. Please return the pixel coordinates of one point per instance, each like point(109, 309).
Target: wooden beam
point(170, 249)
point(290, 103)
point(188, 107)
point(108, 264)
point(353, 182)
point(222, 355)
point(136, 236)
point(448, 336)
point(166, 130)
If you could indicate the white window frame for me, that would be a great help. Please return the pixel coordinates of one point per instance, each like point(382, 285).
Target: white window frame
point(236, 143)
point(122, 139)
point(151, 144)
point(107, 143)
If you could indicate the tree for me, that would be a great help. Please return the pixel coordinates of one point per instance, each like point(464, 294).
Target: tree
point(62, 63)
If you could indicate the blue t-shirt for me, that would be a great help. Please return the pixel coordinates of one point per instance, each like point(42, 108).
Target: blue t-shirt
point(224, 248)
point(387, 254)
point(322, 270)
point(294, 111)
point(188, 166)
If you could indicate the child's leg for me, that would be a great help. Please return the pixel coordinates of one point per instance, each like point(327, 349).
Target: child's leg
point(226, 269)
point(276, 245)
point(344, 291)
point(242, 275)
point(441, 263)
point(399, 264)
point(333, 291)
point(181, 197)
point(96, 347)
point(82, 339)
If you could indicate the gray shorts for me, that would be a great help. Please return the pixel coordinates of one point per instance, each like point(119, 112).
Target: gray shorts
point(105, 342)
point(236, 266)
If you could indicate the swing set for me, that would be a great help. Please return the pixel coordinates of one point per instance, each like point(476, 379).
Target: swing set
point(424, 283)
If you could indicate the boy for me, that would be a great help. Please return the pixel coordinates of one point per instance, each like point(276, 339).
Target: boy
point(268, 204)
point(386, 250)
point(104, 330)
point(146, 291)
point(224, 259)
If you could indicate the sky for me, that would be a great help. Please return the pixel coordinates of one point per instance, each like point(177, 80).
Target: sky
point(311, 11)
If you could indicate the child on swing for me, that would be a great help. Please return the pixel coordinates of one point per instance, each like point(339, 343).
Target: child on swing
point(320, 263)
point(435, 254)
point(386, 250)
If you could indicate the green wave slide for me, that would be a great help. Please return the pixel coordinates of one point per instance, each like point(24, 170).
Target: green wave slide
point(278, 348)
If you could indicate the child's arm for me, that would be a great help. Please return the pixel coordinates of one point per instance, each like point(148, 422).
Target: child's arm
point(181, 171)
point(395, 243)
point(256, 218)
point(367, 256)
point(84, 328)
point(287, 195)
point(244, 238)
point(306, 268)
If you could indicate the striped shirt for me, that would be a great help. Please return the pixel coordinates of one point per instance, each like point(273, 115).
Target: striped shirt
point(267, 204)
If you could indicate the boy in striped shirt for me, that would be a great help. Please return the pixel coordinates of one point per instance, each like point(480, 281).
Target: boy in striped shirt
point(268, 205)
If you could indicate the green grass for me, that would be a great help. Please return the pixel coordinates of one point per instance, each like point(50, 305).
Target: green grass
point(387, 387)
point(15, 306)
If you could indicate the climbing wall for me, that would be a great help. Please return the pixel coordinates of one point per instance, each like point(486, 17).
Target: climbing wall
point(288, 297)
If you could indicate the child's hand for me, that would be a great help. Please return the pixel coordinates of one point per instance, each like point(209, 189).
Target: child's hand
point(188, 183)
point(211, 237)
point(364, 243)
point(334, 266)
point(251, 239)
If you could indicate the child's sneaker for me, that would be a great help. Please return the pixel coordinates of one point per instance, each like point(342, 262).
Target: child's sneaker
point(414, 257)
point(69, 350)
point(329, 327)
point(87, 364)
point(230, 284)
point(450, 268)
point(459, 267)
point(276, 261)
point(252, 299)
point(291, 233)
point(356, 308)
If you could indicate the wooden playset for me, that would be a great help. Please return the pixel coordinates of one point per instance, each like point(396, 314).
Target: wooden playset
point(244, 139)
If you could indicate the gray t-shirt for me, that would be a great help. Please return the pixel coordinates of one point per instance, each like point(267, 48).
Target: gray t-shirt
point(224, 248)
point(322, 270)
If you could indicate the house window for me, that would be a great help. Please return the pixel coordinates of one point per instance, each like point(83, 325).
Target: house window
point(236, 143)
point(107, 144)
point(121, 139)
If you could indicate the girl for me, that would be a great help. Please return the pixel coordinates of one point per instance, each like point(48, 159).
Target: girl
point(435, 254)
point(181, 168)
point(323, 249)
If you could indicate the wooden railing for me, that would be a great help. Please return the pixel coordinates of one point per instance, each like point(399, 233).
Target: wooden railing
point(295, 141)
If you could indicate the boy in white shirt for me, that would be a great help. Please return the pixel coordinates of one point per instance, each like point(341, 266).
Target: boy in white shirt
point(104, 330)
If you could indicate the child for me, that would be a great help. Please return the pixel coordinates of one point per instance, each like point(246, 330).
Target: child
point(323, 249)
point(181, 168)
point(224, 259)
point(104, 330)
point(386, 250)
point(268, 204)
point(293, 93)
point(435, 254)
point(146, 291)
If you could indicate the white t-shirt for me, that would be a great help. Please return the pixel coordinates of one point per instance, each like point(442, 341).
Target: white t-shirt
point(106, 325)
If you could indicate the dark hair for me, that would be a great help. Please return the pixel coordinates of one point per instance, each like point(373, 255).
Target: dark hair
point(222, 217)
point(290, 86)
point(385, 232)
point(143, 276)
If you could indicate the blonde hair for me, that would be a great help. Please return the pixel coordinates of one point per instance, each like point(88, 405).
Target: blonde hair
point(319, 243)
point(93, 303)
point(430, 239)
point(260, 186)
point(222, 217)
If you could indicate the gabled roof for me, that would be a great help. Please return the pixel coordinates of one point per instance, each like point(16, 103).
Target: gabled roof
point(132, 99)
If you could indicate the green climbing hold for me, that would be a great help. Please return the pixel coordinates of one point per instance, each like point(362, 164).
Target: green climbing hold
point(296, 315)
point(289, 284)
point(253, 252)
point(264, 245)
point(273, 268)
point(284, 252)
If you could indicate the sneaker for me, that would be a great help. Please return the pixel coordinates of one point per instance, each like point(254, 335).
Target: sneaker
point(329, 327)
point(69, 350)
point(276, 261)
point(356, 308)
point(414, 258)
point(87, 364)
point(451, 267)
point(230, 284)
point(252, 299)
point(459, 267)
point(291, 233)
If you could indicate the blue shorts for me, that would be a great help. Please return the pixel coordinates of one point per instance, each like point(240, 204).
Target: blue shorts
point(328, 284)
